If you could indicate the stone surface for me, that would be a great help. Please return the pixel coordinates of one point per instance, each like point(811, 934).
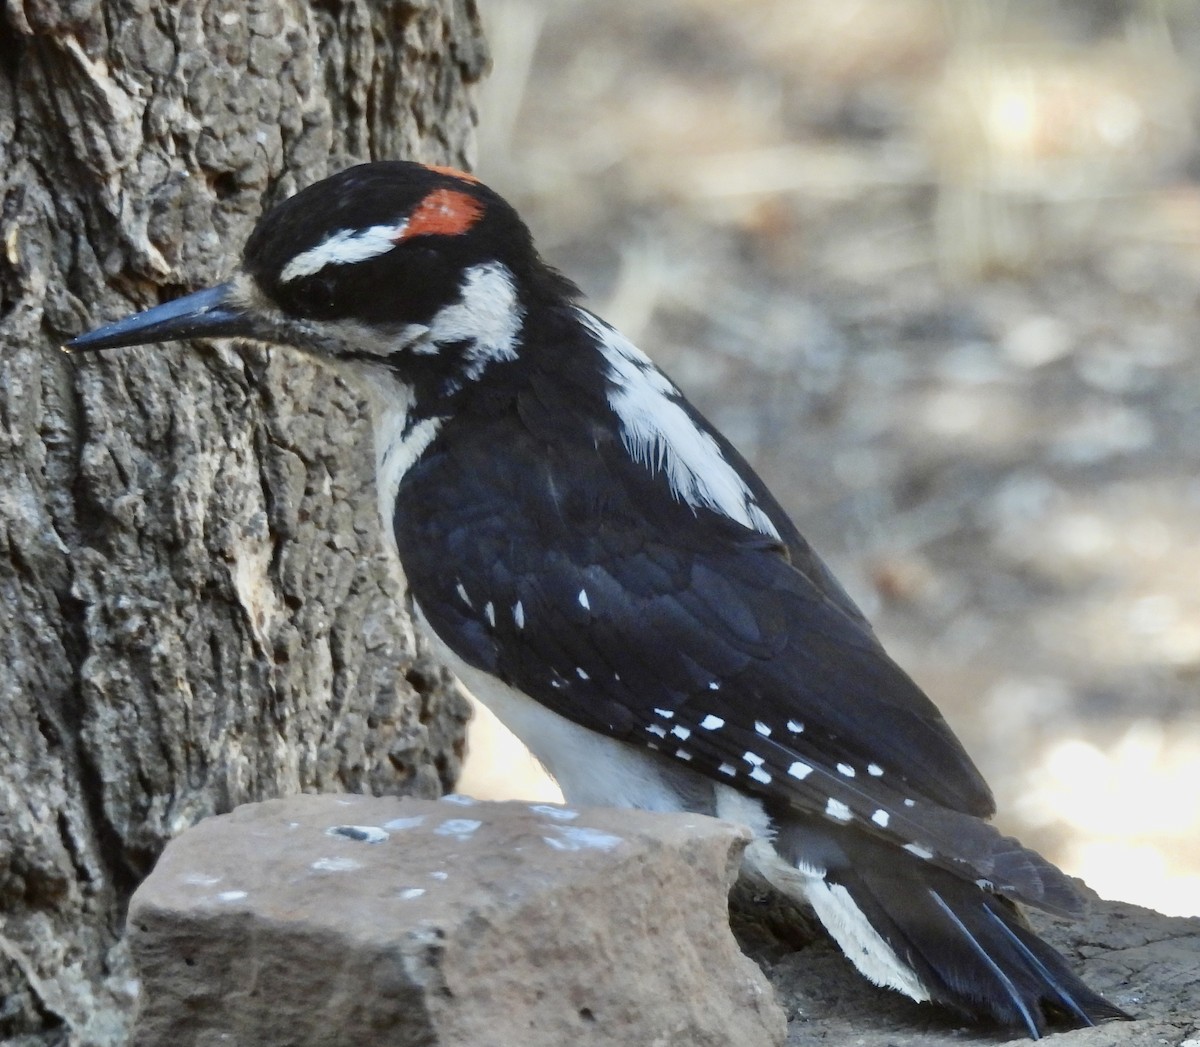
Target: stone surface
point(354, 920)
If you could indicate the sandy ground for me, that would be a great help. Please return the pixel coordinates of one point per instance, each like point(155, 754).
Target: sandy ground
point(933, 268)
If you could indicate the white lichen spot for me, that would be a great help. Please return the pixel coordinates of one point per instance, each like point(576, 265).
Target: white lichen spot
point(921, 852)
point(881, 818)
point(231, 896)
point(559, 814)
point(845, 769)
point(795, 727)
point(874, 770)
point(336, 865)
point(411, 892)
point(460, 800)
point(800, 770)
point(196, 879)
point(440, 874)
point(759, 775)
point(837, 810)
point(762, 728)
point(460, 827)
point(910, 803)
point(711, 723)
point(580, 837)
point(399, 824)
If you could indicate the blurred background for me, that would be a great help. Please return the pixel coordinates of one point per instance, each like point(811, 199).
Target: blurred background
point(933, 267)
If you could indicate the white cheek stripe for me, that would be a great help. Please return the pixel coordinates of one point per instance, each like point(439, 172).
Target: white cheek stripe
point(659, 433)
point(344, 248)
point(488, 315)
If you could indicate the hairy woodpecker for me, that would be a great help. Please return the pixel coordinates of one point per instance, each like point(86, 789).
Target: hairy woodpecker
point(601, 567)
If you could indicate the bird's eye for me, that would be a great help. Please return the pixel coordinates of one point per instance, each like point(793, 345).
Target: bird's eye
point(315, 296)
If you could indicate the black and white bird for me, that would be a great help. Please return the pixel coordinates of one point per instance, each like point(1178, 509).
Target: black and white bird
point(600, 567)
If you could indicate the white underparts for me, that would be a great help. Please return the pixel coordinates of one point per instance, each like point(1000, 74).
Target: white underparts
point(590, 768)
point(662, 436)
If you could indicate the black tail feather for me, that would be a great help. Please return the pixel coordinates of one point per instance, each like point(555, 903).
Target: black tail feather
point(969, 947)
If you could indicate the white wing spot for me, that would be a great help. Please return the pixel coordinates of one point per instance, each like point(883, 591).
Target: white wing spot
point(795, 728)
point(728, 768)
point(714, 685)
point(711, 723)
point(666, 714)
point(581, 673)
point(845, 769)
point(874, 770)
point(837, 810)
point(919, 851)
point(800, 770)
point(462, 595)
point(880, 818)
point(753, 758)
point(683, 754)
point(584, 602)
point(489, 612)
point(518, 613)
point(759, 775)
point(762, 728)
point(656, 730)
point(682, 733)
point(910, 803)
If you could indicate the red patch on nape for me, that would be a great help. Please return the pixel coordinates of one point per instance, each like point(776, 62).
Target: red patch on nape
point(443, 212)
point(452, 172)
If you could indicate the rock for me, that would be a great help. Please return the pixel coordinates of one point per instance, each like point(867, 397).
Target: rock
point(359, 920)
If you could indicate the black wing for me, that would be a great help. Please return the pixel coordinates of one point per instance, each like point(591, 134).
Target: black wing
point(542, 553)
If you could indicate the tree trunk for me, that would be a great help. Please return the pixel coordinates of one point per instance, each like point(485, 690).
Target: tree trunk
point(195, 608)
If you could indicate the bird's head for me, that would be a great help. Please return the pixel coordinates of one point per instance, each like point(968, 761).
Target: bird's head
point(381, 262)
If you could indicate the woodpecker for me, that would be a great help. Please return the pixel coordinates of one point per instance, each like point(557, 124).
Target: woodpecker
point(604, 570)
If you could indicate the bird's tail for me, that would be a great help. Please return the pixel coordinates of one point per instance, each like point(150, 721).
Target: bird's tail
point(921, 929)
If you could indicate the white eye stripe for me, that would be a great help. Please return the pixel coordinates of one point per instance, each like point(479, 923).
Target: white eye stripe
point(344, 248)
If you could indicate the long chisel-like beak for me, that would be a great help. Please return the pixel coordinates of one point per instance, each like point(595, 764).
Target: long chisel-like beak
point(204, 314)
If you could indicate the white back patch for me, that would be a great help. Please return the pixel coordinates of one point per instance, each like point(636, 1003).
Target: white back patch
point(659, 433)
point(487, 315)
point(344, 248)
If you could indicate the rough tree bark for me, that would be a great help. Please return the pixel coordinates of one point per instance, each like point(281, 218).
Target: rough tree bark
point(194, 608)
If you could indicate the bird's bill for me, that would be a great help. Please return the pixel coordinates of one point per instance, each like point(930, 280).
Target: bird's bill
point(210, 313)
